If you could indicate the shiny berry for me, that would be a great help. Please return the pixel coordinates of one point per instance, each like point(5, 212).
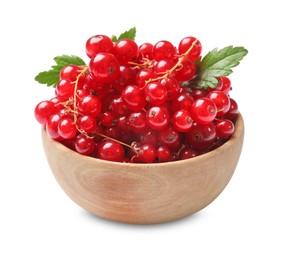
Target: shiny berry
point(158, 117)
point(221, 100)
point(186, 43)
point(111, 151)
point(104, 68)
point(97, 44)
point(133, 97)
point(203, 111)
point(44, 110)
point(126, 50)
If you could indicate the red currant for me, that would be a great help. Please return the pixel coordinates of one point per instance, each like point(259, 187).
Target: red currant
point(164, 153)
point(84, 145)
point(233, 110)
point(224, 127)
point(224, 84)
point(186, 153)
point(170, 138)
point(97, 44)
point(137, 122)
point(163, 50)
point(181, 120)
point(147, 153)
point(104, 68)
point(65, 89)
point(87, 123)
point(70, 72)
point(133, 97)
point(126, 50)
point(44, 110)
point(221, 100)
point(186, 43)
point(158, 117)
point(203, 111)
point(186, 71)
point(156, 94)
point(111, 151)
point(90, 105)
point(67, 128)
point(201, 137)
point(146, 49)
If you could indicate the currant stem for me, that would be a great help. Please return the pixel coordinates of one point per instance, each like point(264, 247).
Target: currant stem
point(84, 69)
point(169, 72)
point(112, 139)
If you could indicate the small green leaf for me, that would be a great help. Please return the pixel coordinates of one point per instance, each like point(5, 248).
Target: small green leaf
point(130, 34)
point(217, 64)
point(51, 77)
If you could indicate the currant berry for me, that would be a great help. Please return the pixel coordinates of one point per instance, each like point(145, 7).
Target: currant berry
point(181, 120)
point(183, 101)
point(137, 122)
point(118, 107)
point(147, 153)
point(146, 49)
point(224, 127)
point(163, 50)
point(97, 44)
point(233, 111)
point(104, 68)
point(186, 43)
point(199, 93)
point(155, 93)
point(143, 75)
point(170, 138)
point(70, 72)
point(107, 119)
point(150, 137)
point(67, 128)
point(111, 151)
point(201, 137)
point(65, 89)
point(84, 145)
point(221, 100)
point(172, 86)
point(186, 72)
point(52, 126)
point(162, 66)
point(224, 84)
point(133, 97)
point(164, 153)
point(126, 50)
point(86, 123)
point(186, 153)
point(158, 117)
point(203, 111)
point(126, 77)
point(44, 110)
point(90, 105)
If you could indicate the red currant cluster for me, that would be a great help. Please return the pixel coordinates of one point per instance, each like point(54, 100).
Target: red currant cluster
point(132, 103)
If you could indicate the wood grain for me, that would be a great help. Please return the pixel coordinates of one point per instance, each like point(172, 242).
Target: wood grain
point(144, 193)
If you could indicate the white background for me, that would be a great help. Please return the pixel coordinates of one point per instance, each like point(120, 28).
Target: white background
point(38, 221)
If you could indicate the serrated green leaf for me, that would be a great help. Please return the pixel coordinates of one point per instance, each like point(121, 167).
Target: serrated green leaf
point(218, 63)
point(51, 77)
point(65, 60)
point(130, 34)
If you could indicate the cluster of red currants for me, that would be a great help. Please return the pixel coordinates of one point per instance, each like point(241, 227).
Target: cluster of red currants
point(132, 103)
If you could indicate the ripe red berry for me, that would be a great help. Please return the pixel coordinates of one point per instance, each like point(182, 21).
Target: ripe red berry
point(70, 72)
point(67, 128)
point(182, 121)
point(133, 97)
point(163, 50)
point(224, 127)
point(147, 153)
point(126, 50)
point(186, 43)
point(201, 137)
point(44, 110)
point(155, 93)
point(203, 111)
point(90, 105)
point(111, 151)
point(65, 89)
point(221, 100)
point(104, 68)
point(84, 145)
point(97, 44)
point(158, 117)
point(146, 49)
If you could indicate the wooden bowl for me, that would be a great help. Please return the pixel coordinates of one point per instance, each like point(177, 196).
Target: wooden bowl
point(144, 193)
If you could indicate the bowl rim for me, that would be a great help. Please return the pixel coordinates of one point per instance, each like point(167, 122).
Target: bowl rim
point(239, 130)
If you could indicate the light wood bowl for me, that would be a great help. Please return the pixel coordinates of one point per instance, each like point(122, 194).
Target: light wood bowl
point(144, 193)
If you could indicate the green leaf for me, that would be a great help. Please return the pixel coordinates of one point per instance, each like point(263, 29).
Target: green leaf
point(218, 63)
point(51, 77)
point(130, 34)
